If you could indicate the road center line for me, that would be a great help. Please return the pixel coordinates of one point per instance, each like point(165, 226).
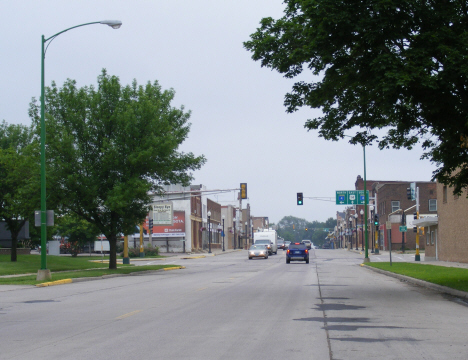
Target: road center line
point(127, 315)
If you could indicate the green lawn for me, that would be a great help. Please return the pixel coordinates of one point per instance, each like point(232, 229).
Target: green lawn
point(31, 263)
point(62, 267)
point(454, 278)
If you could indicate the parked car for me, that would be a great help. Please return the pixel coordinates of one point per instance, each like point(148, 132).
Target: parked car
point(258, 251)
point(307, 243)
point(297, 252)
point(326, 246)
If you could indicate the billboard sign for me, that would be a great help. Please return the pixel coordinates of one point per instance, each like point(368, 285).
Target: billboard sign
point(175, 230)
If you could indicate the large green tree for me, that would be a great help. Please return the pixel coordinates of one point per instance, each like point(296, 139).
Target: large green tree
point(398, 65)
point(19, 179)
point(109, 147)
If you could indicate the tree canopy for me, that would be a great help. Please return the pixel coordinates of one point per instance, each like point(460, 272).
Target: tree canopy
point(397, 65)
point(109, 147)
point(293, 229)
point(19, 179)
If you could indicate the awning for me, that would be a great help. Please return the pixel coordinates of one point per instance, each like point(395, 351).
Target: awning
point(426, 221)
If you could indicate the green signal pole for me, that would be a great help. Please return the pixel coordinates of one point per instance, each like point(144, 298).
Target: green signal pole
point(43, 273)
point(366, 200)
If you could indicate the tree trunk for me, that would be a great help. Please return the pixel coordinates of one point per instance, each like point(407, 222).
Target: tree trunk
point(14, 228)
point(14, 245)
point(113, 251)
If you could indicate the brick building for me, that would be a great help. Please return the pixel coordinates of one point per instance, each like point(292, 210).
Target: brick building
point(447, 241)
point(391, 199)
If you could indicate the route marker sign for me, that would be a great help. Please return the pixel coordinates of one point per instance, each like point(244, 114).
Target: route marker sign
point(351, 197)
point(403, 228)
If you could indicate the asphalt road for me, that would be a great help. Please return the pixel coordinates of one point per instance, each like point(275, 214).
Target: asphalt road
point(229, 307)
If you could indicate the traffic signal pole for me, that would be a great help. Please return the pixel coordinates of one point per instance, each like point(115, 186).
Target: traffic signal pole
point(417, 257)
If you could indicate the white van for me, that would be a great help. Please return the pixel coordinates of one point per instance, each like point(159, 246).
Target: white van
point(263, 237)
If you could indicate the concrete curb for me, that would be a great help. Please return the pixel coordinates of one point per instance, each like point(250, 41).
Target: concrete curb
point(77, 280)
point(422, 283)
point(57, 282)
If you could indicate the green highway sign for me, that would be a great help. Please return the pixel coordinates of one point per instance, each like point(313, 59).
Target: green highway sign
point(351, 197)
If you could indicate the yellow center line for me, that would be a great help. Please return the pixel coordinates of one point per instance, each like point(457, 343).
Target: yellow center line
point(127, 315)
point(202, 289)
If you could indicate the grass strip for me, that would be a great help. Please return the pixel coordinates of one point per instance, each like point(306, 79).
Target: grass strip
point(31, 279)
point(455, 278)
point(26, 264)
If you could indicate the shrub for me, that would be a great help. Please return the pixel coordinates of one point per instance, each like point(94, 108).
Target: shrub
point(149, 251)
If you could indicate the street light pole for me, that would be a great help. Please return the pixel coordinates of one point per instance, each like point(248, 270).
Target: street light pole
point(43, 273)
point(371, 208)
point(355, 220)
point(223, 232)
point(366, 201)
point(351, 231)
point(246, 236)
point(209, 232)
point(362, 231)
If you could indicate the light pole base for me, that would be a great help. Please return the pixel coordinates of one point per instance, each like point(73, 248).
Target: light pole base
point(417, 258)
point(376, 251)
point(142, 254)
point(43, 275)
point(366, 260)
point(126, 260)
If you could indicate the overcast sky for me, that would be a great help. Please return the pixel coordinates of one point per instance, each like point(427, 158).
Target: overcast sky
point(195, 47)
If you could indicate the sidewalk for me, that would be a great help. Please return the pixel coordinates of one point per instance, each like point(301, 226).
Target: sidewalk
point(198, 254)
point(410, 255)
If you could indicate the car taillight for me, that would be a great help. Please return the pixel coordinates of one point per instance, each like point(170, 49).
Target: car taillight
point(287, 251)
point(307, 251)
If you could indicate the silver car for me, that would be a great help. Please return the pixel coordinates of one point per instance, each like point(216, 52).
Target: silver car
point(258, 251)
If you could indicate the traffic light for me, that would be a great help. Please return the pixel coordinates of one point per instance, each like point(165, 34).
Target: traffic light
point(300, 199)
point(408, 194)
point(415, 217)
point(307, 229)
point(376, 219)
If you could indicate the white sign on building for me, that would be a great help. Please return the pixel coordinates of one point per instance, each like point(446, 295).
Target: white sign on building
point(163, 214)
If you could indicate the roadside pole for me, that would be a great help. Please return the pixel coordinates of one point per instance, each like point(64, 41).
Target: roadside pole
point(417, 256)
point(239, 222)
point(126, 259)
point(150, 229)
point(142, 249)
point(403, 233)
point(389, 237)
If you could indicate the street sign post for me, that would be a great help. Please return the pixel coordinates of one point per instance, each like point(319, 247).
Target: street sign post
point(351, 197)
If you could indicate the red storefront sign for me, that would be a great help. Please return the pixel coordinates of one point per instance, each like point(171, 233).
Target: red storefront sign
point(177, 230)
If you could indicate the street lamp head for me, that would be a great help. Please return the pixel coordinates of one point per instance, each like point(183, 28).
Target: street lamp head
point(209, 213)
point(114, 24)
point(246, 223)
point(356, 215)
point(223, 217)
point(362, 212)
point(371, 208)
